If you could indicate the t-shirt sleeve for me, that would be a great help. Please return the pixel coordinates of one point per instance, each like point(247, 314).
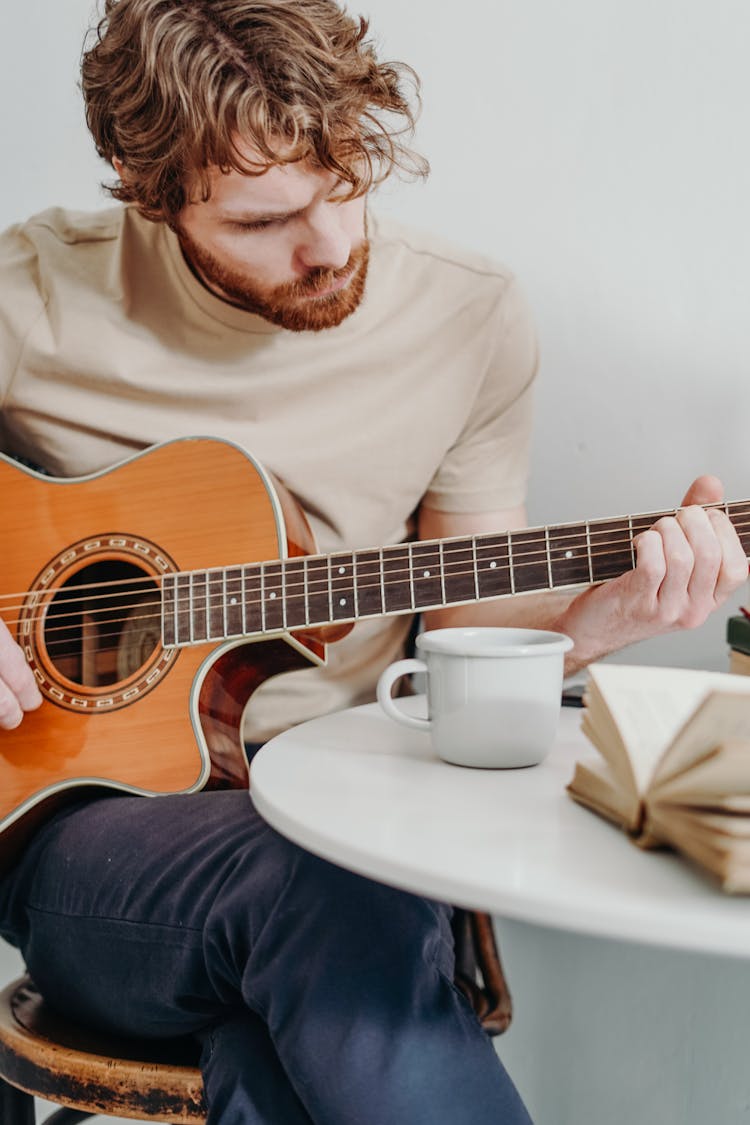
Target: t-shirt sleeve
point(21, 302)
point(486, 469)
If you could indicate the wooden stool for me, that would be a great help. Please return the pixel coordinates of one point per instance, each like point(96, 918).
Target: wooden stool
point(43, 1054)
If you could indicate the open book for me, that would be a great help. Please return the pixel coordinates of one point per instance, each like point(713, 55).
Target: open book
point(675, 762)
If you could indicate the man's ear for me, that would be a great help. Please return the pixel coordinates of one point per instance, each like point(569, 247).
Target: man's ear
point(118, 166)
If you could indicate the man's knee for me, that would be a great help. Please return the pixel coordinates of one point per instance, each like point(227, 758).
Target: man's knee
point(304, 910)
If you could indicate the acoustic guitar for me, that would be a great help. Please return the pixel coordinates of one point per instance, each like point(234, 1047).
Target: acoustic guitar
point(139, 596)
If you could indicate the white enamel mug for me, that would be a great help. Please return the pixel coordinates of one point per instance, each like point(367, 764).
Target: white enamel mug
point(493, 695)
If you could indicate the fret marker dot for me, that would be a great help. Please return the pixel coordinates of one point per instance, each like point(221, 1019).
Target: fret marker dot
point(568, 554)
point(272, 594)
point(426, 574)
point(233, 601)
point(493, 565)
point(343, 601)
point(342, 570)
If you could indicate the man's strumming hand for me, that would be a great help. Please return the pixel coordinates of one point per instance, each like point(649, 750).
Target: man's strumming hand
point(18, 690)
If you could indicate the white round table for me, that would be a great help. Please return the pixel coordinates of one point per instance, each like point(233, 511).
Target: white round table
point(370, 795)
point(628, 968)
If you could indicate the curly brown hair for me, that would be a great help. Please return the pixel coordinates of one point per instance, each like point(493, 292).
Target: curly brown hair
point(170, 86)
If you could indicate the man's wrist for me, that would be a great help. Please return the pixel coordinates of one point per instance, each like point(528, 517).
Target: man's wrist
point(586, 648)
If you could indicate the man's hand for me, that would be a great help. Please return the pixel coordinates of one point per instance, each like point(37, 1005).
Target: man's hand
point(18, 690)
point(686, 566)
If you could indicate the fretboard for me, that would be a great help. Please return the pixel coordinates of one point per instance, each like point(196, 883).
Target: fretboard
point(314, 590)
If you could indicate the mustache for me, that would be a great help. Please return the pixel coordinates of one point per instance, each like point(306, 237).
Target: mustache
point(318, 280)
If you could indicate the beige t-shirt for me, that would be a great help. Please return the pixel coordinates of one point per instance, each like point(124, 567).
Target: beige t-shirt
point(109, 344)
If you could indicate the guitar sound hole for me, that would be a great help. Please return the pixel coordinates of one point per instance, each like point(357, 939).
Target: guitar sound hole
point(103, 624)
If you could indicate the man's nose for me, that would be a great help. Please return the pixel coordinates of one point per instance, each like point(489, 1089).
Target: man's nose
point(326, 243)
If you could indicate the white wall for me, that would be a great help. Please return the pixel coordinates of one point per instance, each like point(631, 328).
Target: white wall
point(595, 146)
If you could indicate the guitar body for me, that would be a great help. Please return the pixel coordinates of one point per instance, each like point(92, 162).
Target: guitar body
point(120, 709)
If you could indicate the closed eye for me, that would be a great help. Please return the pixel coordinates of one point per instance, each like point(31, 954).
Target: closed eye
point(259, 224)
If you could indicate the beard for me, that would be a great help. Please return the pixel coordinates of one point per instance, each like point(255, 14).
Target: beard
point(301, 305)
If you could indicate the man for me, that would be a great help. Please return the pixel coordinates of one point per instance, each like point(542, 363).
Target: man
point(247, 291)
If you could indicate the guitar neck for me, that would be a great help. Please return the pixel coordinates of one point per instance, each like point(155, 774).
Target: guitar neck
point(316, 590)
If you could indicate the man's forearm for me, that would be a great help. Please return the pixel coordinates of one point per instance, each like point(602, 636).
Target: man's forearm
point(524, 611)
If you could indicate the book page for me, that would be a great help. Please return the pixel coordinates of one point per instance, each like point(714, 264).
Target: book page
point(719, 780)
point(594, 785)
point(724, 855)
point(650, 705)
point(721, 721)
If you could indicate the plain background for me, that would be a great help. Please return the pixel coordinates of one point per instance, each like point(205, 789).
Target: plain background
point(598, 147)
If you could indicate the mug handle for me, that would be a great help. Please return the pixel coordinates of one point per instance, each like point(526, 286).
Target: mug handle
point(388, 678)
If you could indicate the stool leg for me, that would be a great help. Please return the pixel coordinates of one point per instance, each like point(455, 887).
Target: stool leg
point(67, 1116)
point(16, 1106)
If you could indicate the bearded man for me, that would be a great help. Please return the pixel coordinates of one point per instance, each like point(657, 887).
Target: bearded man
point(245, 289)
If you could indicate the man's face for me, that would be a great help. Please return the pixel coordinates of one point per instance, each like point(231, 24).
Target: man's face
point(282, 244)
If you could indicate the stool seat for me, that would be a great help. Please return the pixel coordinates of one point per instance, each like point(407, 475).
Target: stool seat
point(44, 1054)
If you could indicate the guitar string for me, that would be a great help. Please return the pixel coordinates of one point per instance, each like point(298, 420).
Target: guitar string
point(296, 589)
point(639, 524)
point(216, 601)
point(153, 583)
point(539, 557)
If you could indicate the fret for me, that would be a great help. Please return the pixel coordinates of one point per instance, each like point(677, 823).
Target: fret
point(307, 595)
point(632, 544)
point(610, 548)
point(396, 586)
point(354, 585)
point(330, 592)
point(342, 587)
point(460, 583)
point(318, 592)
point(182, 609)
point(197, 601)
point(411, 573)
point(369, 588)
point(295, 606)
point(511, 566)
point(273, 597)
point(588, 551)
point(530, 569)
point(475, 565)
point(427, 575)
point(168, 610)
point(252, 599)
point(493, 566)
point(569, 556)
point(442, 574)
point(550, 583)
point(215, 604)
point(233, 602)
point(262, 598)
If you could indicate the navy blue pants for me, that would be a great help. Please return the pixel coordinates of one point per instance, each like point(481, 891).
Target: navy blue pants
point(318, 996)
